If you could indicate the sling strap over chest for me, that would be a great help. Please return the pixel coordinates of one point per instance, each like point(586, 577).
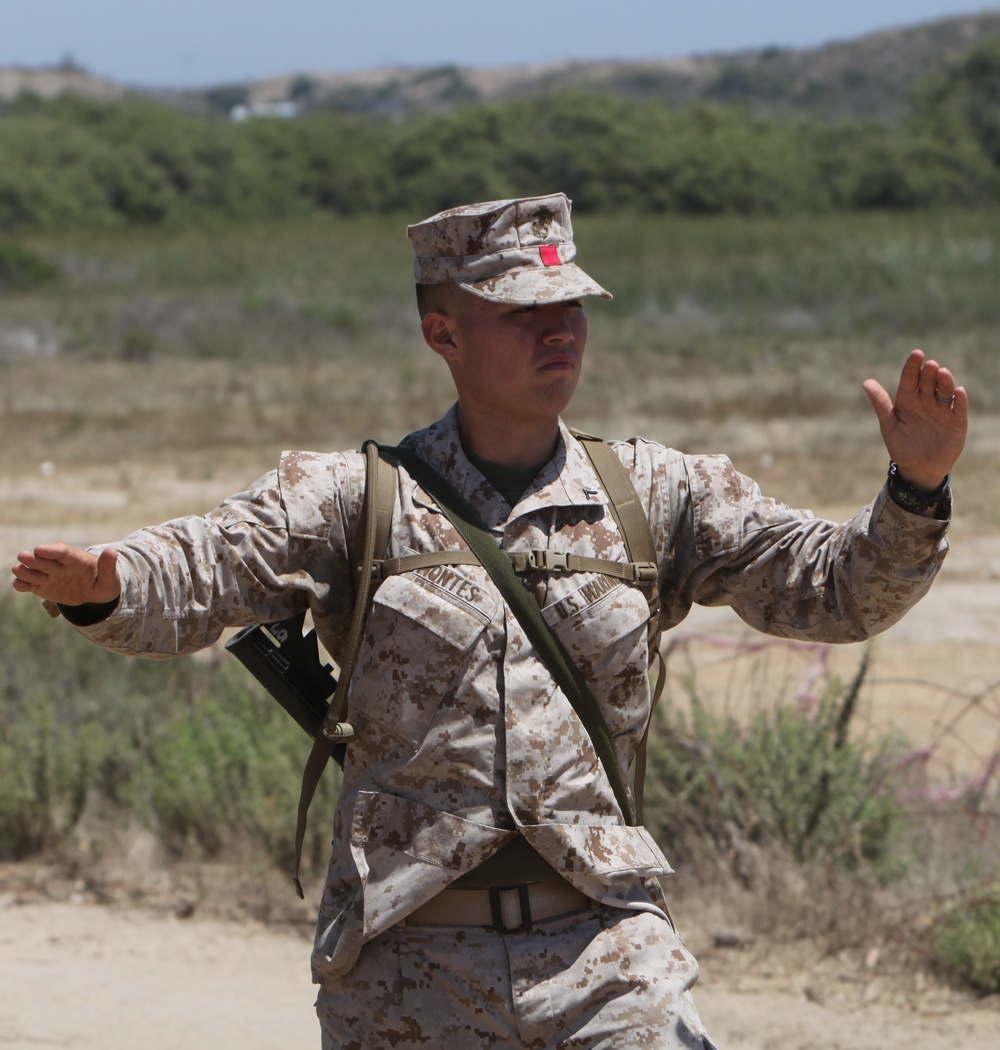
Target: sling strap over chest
point(524, 607)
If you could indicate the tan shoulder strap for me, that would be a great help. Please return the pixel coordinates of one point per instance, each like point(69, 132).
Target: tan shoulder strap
point(640, 546)
point(626, 510)
point(373, 529)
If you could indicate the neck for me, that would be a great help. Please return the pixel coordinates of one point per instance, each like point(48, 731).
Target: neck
point(512, 444)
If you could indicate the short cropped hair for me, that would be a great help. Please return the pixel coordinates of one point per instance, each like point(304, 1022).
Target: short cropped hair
point(433, 298)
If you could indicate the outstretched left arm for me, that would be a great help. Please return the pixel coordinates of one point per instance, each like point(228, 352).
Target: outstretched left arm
point(924, 428)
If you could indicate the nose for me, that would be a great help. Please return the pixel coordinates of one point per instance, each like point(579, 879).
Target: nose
point(557, 327)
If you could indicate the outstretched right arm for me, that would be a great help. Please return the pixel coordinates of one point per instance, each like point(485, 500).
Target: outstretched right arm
point(68, 575)
point(262, 555)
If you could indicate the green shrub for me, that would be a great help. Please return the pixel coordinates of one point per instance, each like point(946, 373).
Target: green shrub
point(84, 163)
point(966, 937)
point(46, 770)
point(967, 94)
point(785, 779)
point(226, 771)
point(193, 748)
point(22, 269)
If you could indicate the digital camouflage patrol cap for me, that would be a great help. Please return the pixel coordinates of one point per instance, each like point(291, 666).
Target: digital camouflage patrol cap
point(514, 251)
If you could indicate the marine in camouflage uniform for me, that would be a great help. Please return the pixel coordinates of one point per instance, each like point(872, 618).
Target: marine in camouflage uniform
point(470, 770)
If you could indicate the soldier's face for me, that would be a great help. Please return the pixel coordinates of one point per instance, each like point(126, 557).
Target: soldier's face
point(523, 361)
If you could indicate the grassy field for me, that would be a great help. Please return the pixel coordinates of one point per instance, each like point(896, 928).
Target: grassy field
point(203, 349)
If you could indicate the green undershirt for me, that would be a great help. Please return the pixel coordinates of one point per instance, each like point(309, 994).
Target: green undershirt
point(511, 482)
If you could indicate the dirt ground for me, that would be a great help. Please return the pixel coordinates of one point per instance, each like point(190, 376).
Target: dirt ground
point(98, 977)
point(78, 973)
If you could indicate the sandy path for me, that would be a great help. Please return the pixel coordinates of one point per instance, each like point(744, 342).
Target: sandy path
point(99, 978)
point(92, 978)
point(776, 1018)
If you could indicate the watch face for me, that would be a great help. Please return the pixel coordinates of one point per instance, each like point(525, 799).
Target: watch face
point(908, 499)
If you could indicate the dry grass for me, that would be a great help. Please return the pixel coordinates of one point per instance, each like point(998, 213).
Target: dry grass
point(206, 352)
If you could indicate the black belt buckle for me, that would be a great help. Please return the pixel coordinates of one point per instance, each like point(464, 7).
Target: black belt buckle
point(497, 910)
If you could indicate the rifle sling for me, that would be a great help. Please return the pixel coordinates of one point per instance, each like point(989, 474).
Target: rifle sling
point(548, 646)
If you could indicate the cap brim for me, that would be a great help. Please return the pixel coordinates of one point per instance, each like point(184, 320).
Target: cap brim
point(537, 284)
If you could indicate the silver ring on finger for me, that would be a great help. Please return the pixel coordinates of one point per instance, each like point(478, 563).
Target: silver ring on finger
point(943, 400)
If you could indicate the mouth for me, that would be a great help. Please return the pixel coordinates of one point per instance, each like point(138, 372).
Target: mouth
point(559, 363)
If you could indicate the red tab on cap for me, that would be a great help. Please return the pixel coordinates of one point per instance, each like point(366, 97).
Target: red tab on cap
point(550, 254)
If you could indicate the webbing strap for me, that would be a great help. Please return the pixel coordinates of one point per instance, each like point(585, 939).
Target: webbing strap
point(639, 544)
point(386, 567)
point(376, 524)
point(628, 514)
point(525, 608)
point(522, 561)
point(639, 765)
point(376, 521)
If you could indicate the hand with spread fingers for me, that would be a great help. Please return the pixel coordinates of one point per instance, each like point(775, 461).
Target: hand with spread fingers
point(68, 575)
point(924, 429)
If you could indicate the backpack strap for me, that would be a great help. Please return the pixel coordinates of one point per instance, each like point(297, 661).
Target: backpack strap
point(629, 516)
point(373, 529)
point(637, 536)
point(641, 567)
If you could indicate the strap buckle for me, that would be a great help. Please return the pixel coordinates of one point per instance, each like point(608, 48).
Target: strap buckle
point(496, 908)
point(338, 732)
point(548, 561)
point(646, 572)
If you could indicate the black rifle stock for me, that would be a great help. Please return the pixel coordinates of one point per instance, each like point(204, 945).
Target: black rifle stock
point(286, 662)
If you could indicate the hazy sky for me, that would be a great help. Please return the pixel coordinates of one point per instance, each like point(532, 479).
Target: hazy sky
point(174, 43)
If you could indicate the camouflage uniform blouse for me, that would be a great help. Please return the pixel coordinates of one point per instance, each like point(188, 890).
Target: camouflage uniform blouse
point(463, 739)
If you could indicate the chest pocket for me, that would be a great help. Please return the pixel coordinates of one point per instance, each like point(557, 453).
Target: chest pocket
point(603, 623)
point(420, 632)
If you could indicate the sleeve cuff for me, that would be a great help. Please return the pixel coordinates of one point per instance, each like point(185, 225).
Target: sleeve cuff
point(90, 613)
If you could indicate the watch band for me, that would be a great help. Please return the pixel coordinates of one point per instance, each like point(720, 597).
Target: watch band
point(911, 498)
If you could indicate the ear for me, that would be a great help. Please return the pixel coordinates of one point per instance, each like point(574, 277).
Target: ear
point(439, 333)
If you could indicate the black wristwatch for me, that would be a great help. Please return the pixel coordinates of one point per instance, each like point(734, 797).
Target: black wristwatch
point(909, 497)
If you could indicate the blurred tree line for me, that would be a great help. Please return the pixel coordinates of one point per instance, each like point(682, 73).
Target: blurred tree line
point(77, 162)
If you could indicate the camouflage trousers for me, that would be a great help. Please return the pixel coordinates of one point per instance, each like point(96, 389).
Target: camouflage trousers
point(596, 979)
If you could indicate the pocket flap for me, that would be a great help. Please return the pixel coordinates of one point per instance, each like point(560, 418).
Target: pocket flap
point(441, 600)
point(598, 849)
point(407, 852)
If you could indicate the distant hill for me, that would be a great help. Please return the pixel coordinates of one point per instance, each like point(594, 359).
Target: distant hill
point(872, 75)
point(49, 82)
point(869, 76)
